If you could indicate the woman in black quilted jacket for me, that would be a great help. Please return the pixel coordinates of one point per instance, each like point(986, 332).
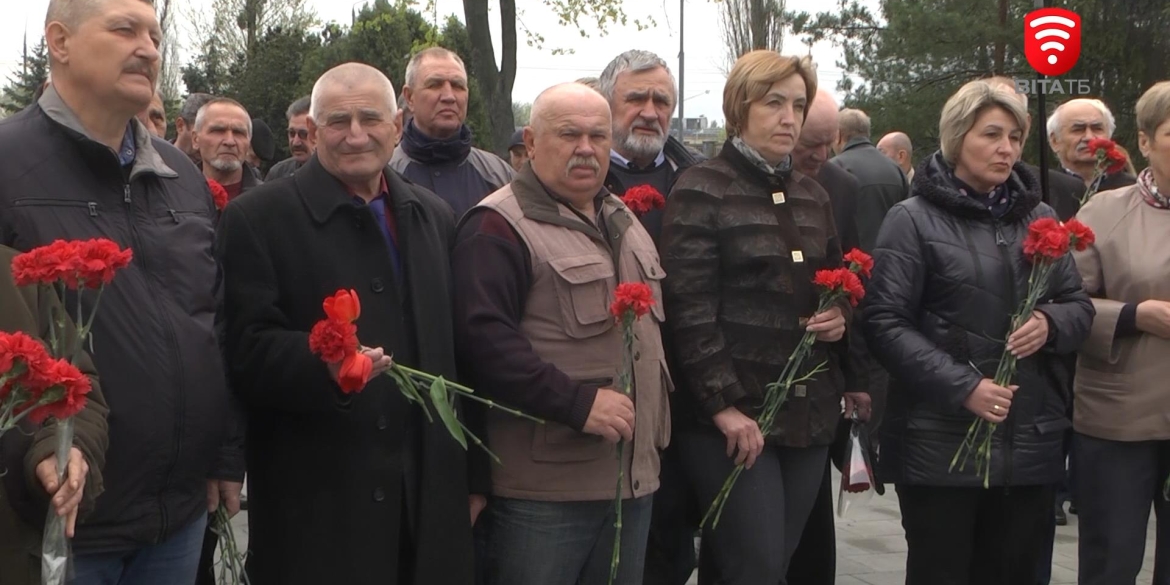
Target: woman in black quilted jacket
point(950, 272)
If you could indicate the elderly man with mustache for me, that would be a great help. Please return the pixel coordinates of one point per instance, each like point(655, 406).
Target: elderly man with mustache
point(535, 265)
point(1070, 128)
point(301, 143)
point(79, 165)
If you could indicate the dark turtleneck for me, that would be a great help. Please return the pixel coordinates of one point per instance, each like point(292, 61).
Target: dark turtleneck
point(434, 151)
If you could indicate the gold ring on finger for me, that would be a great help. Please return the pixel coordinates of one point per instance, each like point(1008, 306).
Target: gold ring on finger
point(995, 407)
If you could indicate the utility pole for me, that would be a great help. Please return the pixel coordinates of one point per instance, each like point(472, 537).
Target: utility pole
point(682, 119)
point(1042, 125)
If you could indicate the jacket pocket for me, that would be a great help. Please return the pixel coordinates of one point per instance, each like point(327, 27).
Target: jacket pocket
point(556, 443)
point(652, 274)
point(582, 286)
point(90, 207)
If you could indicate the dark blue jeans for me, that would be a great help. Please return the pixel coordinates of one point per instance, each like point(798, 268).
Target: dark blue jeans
point(174, 562)
point(564, 543)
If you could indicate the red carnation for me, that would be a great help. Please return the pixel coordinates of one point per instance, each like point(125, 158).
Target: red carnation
point(1116, 160)
point(97, 261)
point(64, 396)
point(1080, 236)
point(841, 281)
point(343, 306)
point(859, 262)
point(642, 199)
point(333, 340)
point(1047, 240)
point(218, 194)
point(45, 264)
point(18, 350)
point(632, 296)
point(354, 372)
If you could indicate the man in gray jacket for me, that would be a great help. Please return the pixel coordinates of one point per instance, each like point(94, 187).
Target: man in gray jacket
point(882, 183)
point(79, 165)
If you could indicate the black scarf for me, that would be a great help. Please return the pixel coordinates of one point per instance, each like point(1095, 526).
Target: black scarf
point(432, 151)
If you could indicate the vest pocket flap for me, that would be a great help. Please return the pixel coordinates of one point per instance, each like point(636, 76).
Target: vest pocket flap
point(556, 443)
point(582, 269)
point(651, 268)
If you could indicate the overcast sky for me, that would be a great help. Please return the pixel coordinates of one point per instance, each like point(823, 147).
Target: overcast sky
point(538, 69)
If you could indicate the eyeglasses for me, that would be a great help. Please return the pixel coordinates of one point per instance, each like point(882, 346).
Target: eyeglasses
point(301, 133)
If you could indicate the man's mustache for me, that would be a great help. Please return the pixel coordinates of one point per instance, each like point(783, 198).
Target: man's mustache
point(141, 68)
point(582, 161)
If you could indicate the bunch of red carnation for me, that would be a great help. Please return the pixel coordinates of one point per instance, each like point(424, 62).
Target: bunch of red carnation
point(1109, 157)
point(35, 384)
point(76, 263)
point(334, 338)
point(846, 281)
point(1110, 160)
point(1048, 239)
point(642, 199)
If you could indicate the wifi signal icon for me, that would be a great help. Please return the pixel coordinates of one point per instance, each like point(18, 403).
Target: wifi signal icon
point(1052, 40)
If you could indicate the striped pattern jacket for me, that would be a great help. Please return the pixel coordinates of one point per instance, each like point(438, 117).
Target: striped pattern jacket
point(740, 247)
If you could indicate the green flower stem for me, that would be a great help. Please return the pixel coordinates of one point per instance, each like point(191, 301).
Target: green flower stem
point(231, 560)
point(626, 383)
point(466, 392)
point(774, 398)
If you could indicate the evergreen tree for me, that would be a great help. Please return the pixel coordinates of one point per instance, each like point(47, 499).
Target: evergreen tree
point(21, 88)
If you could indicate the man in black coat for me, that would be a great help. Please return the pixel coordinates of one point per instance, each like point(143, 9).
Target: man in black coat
point(815, 559)
point(882, 183)
point(345, 488)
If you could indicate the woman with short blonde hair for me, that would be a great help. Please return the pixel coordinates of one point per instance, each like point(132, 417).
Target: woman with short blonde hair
point(742, 236)
point(1122, 438)
point(949, 273)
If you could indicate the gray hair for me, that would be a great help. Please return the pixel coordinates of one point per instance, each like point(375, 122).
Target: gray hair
point(634, 60)
point(590, 82)
point(192, 105)
point(298, 108)
point(71, 13)
point(1054, 121)
point(201, 115)
point(431, 52)
point(853, 123)
point(961, 110)
point(349, 76)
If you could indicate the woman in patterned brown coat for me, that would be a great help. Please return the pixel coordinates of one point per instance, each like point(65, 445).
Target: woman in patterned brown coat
point(743, 235)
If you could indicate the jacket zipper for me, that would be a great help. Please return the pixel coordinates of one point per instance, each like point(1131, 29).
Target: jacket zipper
point(1002, 243)
point(141, 258)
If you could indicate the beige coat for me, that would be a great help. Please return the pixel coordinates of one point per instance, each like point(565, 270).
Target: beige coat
point(1122, 390)
point(567, 320)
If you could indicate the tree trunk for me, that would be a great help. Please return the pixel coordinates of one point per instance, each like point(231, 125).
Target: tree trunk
point(1000, 46)
point(759, 25)
point(495, 82)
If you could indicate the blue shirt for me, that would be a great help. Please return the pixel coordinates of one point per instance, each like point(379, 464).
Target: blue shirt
point(128, 150)
point(386, 221)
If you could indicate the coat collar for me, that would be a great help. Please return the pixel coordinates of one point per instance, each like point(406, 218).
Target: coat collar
point(146, 159)
point(539, 204)
point(323, 194)
point(932, 182)
point(856, 141)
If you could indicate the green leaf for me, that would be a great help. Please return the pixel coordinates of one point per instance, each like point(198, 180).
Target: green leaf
point(408, 388)
point(446, 412)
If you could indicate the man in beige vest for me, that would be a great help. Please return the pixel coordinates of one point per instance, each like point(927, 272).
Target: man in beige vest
point(535, 266)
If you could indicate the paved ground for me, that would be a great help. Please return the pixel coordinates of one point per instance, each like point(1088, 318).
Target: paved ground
point(871, 549)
